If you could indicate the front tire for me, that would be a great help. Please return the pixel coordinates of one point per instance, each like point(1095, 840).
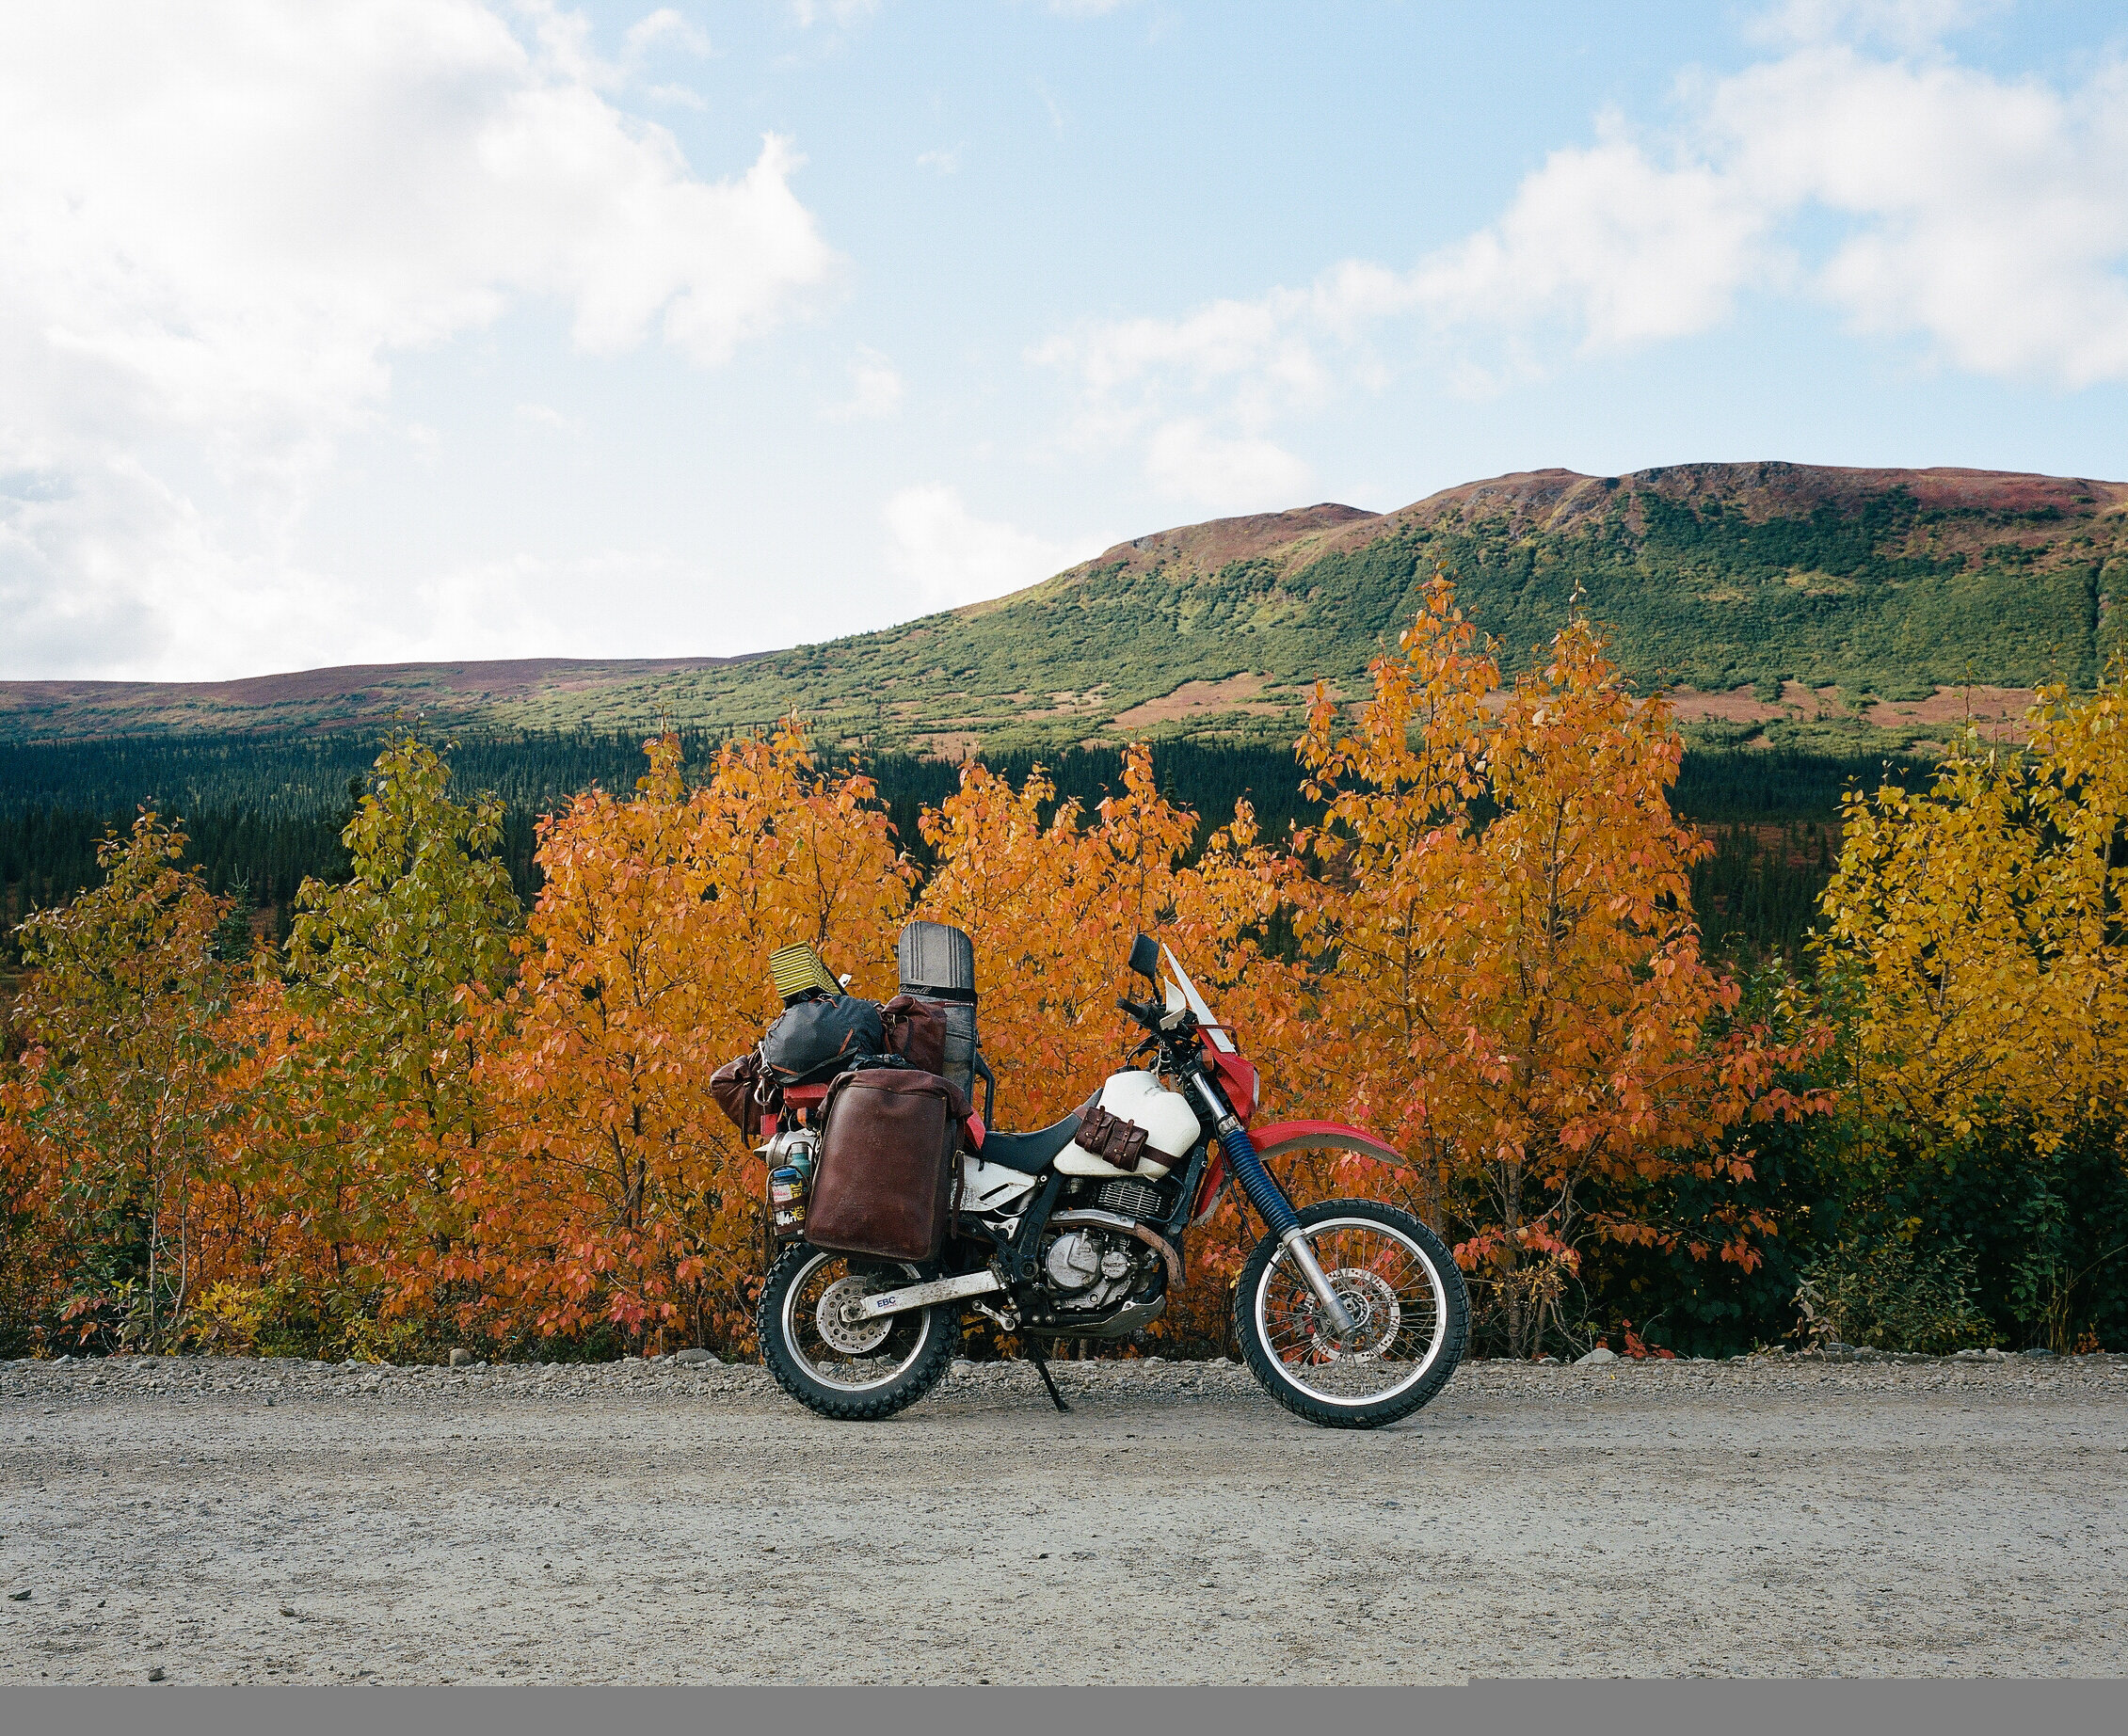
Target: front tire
point(1398, 1280)
point(853, 1374)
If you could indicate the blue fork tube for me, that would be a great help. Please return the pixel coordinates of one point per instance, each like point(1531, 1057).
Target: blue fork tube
point(1272, 1205)
point(1264, 1194)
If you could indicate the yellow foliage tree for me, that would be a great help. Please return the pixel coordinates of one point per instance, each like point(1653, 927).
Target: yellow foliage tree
point(1978, 924)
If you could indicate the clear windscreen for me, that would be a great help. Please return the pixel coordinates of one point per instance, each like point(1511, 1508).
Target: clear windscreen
point(1195, 1002)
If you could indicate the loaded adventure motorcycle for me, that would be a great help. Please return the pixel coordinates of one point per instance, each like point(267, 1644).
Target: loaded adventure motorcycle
point(884, 1229)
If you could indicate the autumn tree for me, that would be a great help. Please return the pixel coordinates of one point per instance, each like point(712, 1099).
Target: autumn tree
point(111, 1110)
point(1982, 919)
point(1974, 932)
point(1052, 909)
point(382, 1092)
point(621, 1199)
point(1512, 985)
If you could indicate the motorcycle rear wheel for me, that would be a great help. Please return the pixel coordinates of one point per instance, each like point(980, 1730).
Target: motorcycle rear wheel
point(1400, 1284)
point(875, 1369)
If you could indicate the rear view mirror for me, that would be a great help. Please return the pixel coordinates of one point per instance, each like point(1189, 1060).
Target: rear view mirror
point(1145, 958)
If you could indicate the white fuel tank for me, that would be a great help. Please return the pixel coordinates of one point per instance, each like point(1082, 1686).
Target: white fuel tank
point(1170, 1124)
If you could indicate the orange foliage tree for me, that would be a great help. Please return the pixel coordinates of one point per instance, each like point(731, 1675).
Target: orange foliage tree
point(618, 1197)
point(1052, 908)
point(1512, 985)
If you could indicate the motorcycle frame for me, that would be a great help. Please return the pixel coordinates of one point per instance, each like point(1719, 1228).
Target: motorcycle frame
point(1188, 1058)
point(1210, 1080)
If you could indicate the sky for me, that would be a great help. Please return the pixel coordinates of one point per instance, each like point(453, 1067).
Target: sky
point(339, 331)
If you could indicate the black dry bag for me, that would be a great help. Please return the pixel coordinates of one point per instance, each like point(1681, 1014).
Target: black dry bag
point(816, 1039)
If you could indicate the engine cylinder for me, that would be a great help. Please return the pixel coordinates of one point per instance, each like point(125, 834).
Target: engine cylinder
point(1132, 1200)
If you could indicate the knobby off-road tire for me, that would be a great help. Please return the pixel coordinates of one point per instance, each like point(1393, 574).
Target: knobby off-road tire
point(911, 1358)
point(1392, 1272)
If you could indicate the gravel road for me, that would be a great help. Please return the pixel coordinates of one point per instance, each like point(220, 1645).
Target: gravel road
point(231, 1520)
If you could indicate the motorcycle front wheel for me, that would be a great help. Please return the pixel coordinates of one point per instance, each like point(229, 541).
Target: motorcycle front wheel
point(854, 1372)
point(1409, 1310)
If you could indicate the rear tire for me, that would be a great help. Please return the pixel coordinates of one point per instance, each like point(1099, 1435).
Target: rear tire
point(909, 1357)
point(1392, 1271)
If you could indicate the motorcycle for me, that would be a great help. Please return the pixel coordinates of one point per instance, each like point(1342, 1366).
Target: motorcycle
point(1350, 1314)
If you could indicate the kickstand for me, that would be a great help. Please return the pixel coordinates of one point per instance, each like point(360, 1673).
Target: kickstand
point(1042, 1368)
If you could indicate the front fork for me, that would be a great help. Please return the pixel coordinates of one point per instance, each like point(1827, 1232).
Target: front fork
point(1272, 1205)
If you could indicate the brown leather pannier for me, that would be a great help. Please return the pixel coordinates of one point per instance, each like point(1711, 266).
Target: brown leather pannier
point(884, 1183)
point(915, 1030)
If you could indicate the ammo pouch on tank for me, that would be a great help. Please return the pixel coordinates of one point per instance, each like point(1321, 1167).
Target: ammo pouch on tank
point(883, 1183)
point(1111, 1137)
point(814, 1040)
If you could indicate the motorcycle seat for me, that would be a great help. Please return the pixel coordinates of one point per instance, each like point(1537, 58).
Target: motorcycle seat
point(1031, 1153)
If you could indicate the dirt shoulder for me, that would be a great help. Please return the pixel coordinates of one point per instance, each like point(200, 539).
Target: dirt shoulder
point(239, 1521)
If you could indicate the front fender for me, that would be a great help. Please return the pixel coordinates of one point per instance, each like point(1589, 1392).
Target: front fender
point(1278, 1138)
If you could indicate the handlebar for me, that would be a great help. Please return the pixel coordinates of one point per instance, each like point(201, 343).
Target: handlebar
point(1147, 1013)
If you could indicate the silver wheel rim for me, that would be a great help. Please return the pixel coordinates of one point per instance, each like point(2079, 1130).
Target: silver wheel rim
point(1392, 1286)
point(889, 1353)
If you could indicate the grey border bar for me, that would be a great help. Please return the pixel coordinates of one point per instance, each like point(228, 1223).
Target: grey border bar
point(1732, 1708)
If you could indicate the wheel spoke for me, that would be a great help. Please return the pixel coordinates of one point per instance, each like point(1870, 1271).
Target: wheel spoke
point(1390, 1289)
point(866, 1361)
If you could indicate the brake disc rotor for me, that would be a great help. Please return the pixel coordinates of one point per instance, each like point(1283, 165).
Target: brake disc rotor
point(1377, 1317)
point(850, 1337)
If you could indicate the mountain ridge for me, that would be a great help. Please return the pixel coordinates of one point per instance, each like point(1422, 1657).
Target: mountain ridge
point(1782, 599)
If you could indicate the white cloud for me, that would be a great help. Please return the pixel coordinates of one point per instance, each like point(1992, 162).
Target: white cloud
point(1911, 25)
point(661, 27)
point(219, 223)
point(945, 162)
point(1195, 398)
point(1983, 217)
point(875, 390)
point(1631, 252)
point(841, 13)
point(1186, 460)
point(1988, 217)
point(951, 557)
point(526, 605)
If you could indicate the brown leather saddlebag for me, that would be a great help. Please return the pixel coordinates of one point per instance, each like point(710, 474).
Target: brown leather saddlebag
point(884, 1183)
point(915, 1030)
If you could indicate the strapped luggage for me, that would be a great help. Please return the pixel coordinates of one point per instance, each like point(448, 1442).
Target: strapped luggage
point(938, 968)
point(815, 1040)
point(743, 1092)
point(915, 1030)
point(883, 1184)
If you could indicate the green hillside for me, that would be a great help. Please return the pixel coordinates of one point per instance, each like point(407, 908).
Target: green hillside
point(1804, 605)
point(1844, 593)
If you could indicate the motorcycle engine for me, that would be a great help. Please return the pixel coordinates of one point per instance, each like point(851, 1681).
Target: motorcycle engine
point(1090, 1269)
